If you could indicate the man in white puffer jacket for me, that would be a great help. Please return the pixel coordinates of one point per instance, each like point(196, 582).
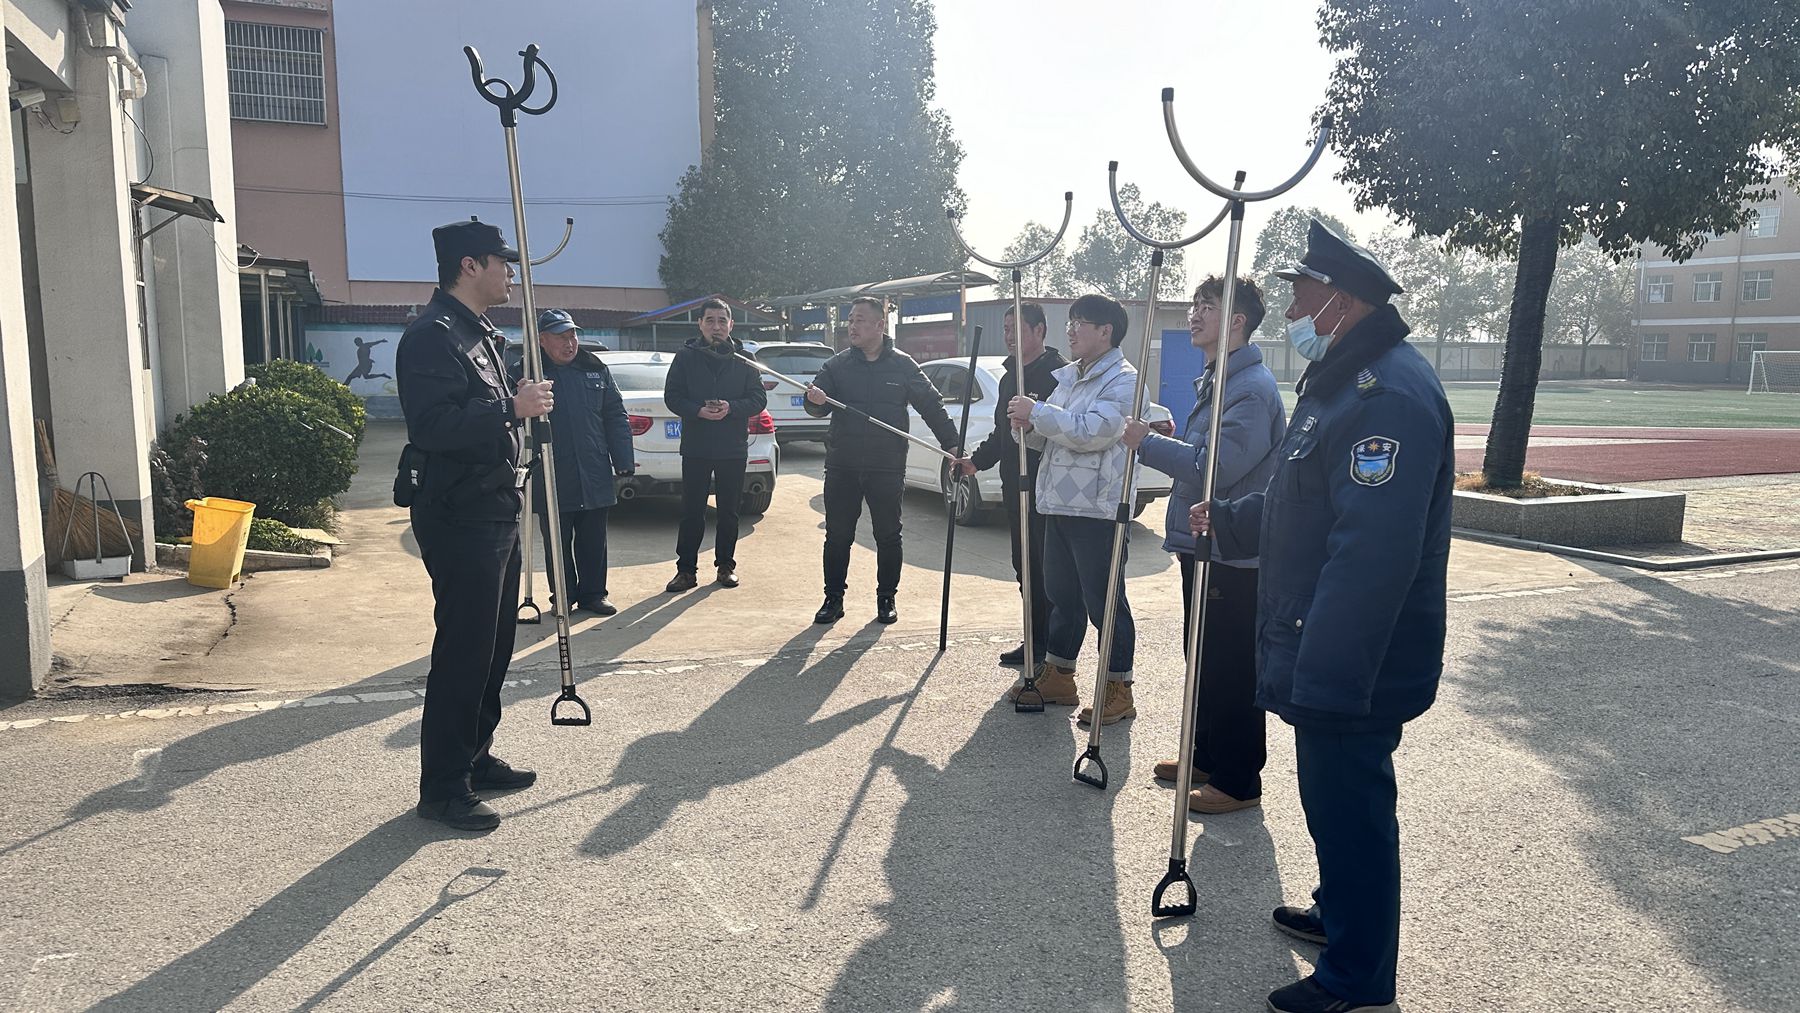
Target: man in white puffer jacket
point(1078, 486)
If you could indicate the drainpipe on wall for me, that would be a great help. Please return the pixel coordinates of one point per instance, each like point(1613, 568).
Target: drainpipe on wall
point(139, 87)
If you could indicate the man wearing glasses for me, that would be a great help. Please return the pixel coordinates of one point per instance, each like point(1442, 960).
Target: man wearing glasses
point(1079, 481)
point(592, 445)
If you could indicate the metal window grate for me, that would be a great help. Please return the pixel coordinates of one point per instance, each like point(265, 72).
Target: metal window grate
point(277, 72)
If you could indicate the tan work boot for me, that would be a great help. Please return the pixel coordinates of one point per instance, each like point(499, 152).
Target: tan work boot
point(1057, 685)
point(1118, 706)
point(1167, 770)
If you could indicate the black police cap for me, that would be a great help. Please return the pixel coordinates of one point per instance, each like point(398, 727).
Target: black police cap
point(1336, 261)
point(469, 239)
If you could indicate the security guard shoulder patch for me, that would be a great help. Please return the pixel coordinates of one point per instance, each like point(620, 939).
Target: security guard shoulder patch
point(1367, 381)
point(1372, 460)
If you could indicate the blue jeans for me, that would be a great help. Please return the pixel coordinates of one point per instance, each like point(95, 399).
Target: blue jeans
point(1077, 555)
point(1347, 789)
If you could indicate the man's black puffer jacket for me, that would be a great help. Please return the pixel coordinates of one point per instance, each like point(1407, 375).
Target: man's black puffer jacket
point(883, 388)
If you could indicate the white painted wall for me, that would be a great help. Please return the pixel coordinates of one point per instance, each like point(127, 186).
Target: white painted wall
point(626, 124)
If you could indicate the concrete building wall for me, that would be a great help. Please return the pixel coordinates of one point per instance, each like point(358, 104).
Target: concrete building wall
point(192, 262)
point(1673, 322)
point(290, 175)
point(609, 154)
point(24, 622)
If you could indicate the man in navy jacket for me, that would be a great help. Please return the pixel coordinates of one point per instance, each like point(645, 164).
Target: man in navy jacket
point(1354, 535)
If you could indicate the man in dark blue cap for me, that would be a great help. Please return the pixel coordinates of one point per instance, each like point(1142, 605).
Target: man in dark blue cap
point(460, 476)
point(592, 446)
point(1354, 535)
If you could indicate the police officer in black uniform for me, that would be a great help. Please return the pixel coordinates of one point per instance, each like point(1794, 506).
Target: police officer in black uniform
point(464, 420)
point(1354, 535)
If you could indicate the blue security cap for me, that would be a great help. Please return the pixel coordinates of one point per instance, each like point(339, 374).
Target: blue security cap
point(555, 322)
point(1333, 260)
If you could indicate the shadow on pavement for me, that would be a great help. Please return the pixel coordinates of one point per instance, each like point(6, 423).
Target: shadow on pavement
point(1002, 883)
point(763, 721)
point(226, 966)
point(1687, 731)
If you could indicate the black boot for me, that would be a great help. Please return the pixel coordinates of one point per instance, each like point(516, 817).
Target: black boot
point(498, 775)
point(831, 611)
point(1016, 656)
point(464, 812)
point(884, 609)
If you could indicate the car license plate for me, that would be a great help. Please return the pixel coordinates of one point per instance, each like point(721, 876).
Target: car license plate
point(672, 429)
point(799, 400)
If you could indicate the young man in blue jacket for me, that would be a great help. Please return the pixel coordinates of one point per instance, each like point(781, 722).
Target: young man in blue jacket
point(1230, 746)
point(591, 444)
point(1354, 533)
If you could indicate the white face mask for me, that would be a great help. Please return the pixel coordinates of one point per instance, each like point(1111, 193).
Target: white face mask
point(1305, 337)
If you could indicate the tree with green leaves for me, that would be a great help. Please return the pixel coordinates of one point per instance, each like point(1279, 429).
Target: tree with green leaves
point(829, 165)
point(1108, 260)
point(1053, 277)
point(1280, 245)
point(1593, 299)
point(1452, 293)
point(1514, 126)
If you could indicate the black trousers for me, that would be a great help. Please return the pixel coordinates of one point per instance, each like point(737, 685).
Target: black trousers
point(698, 476)
point(846, 489)
point(584, 546)
point(1229, 739)
point(474, 568)
point(1347, 790)
point(1040, 598)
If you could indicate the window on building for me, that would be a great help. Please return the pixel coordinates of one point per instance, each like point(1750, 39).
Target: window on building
point(1766, 223)
point(1659, 288)
point(1656, 348)
point(277, 72)
point(1748, 344)
point(1759, 285)
point(1700, 347)
point(1709, 286)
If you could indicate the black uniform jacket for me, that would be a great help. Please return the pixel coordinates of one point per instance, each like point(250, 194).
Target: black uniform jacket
point(882, 388)
point(456, 394)
point(1000, 447)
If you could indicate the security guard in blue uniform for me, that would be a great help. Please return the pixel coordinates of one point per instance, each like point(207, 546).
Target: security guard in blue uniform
point(460, 475)
point(1354, 535)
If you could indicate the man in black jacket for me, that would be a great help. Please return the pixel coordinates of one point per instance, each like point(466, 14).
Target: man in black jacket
point(1002, 448)
point(864, 461)
point(716, 394)
point(591, 441)
point(465, 416)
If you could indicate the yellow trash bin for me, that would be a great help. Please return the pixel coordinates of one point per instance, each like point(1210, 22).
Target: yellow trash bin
point(221, 530)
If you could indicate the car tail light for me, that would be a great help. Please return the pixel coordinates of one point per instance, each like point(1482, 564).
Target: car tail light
point(762, 423)
point(1166, 427)
point(640, 424)
point(768, 384)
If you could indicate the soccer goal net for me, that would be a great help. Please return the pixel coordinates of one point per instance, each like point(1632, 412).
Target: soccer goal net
point(1775, 372)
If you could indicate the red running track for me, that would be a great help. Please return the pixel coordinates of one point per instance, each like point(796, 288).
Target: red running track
point(1687, 453)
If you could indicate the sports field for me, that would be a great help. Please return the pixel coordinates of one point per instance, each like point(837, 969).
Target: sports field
point(1566, 403)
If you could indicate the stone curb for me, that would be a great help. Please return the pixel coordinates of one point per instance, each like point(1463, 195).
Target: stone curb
point(255, 560)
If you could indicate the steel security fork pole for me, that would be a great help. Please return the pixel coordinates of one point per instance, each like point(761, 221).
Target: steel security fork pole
point(1178, 872)
point(526, 535)
point(858, 412)
point(1127, 490)
point(955, 488)
point(511, 102)
point(1028, 689)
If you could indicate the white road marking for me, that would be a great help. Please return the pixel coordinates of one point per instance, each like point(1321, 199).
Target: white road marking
point(733, 924)
point(1748, 835)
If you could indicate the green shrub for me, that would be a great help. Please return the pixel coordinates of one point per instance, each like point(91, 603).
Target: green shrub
point(258, 448)
point(345, 408)
point(270, 535)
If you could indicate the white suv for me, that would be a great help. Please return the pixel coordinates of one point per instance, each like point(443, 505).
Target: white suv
point(975, 496)
point(787, 403)
point(656, 434)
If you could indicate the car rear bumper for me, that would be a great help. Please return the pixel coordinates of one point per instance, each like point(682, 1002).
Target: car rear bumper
point(660, 475)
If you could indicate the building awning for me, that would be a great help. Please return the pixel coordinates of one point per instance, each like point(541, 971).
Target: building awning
point(178, 204)
point(289, 279)
point(685, 312)
point(898, 288)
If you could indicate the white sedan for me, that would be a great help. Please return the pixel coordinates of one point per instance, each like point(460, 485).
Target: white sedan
point(973, 497)
point(656, 434)
point(787, 403)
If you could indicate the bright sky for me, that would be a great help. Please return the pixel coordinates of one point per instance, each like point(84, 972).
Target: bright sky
point(1247, 77)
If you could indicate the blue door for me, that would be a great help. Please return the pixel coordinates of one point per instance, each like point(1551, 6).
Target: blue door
point(1181, 363)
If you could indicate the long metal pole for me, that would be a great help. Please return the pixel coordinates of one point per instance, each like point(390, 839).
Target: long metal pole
point(956, 479)
point(858, 412)
point(1115, 580)
point(528, 536)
